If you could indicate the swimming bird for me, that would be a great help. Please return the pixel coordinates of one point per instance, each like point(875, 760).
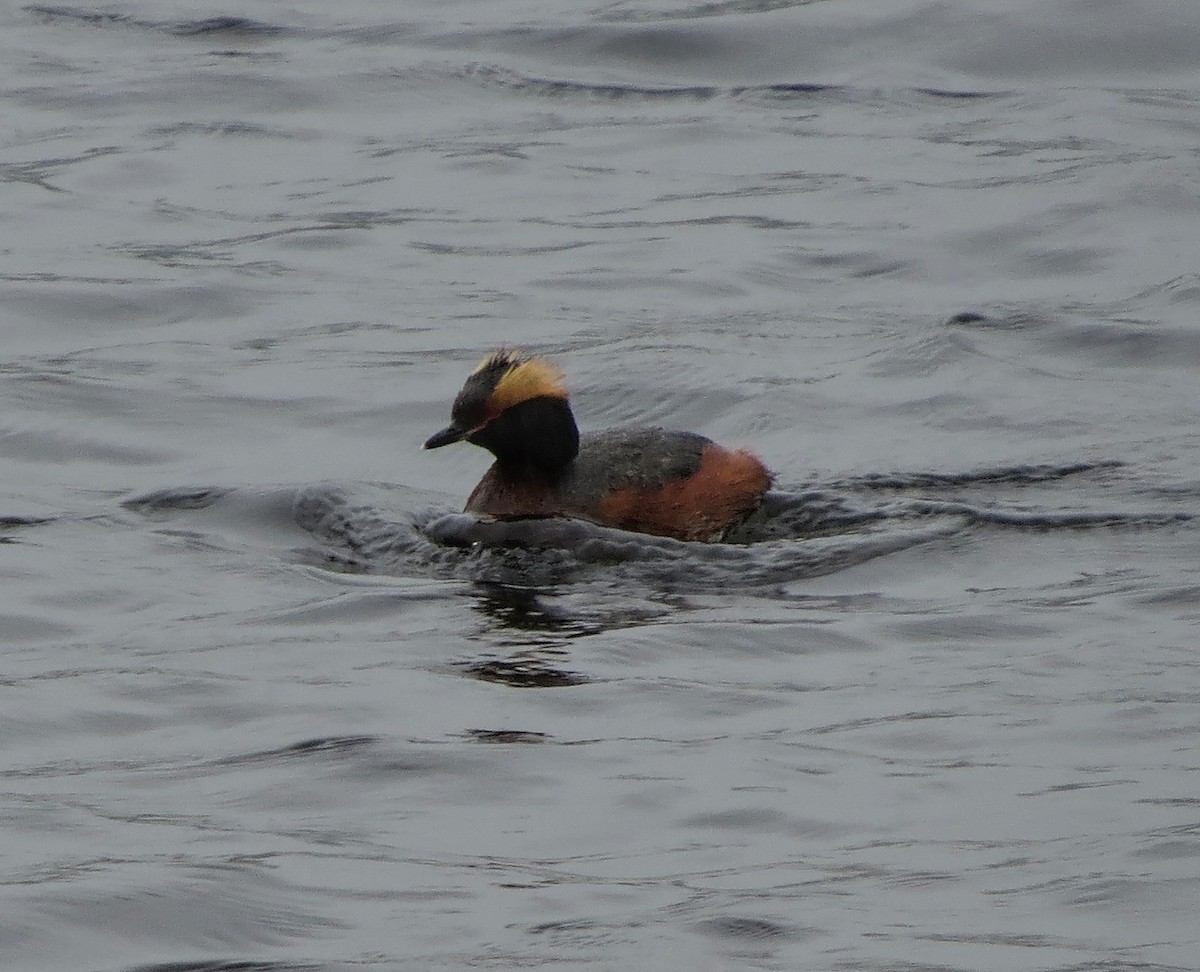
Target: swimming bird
point(643, 479)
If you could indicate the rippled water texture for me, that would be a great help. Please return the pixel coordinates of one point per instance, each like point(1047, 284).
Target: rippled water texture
point(270, 702)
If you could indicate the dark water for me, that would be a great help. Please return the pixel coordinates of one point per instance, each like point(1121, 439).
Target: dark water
point(264, 708)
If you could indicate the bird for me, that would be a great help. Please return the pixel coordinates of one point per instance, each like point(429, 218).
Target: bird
point(641, 479)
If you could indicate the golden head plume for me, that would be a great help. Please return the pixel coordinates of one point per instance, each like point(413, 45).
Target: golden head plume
point(520, 378)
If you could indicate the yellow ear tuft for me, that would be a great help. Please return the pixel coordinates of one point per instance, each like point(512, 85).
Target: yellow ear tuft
point(526, 378)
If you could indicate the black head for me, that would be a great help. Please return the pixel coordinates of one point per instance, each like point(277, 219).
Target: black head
point(515, 407)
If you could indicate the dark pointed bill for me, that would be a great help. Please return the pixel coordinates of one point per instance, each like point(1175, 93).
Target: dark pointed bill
point(447, 436)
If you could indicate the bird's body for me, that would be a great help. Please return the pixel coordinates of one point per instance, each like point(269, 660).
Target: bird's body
point(648, 480)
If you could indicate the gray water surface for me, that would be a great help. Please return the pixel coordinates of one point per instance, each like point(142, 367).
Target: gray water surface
point(938, 708)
